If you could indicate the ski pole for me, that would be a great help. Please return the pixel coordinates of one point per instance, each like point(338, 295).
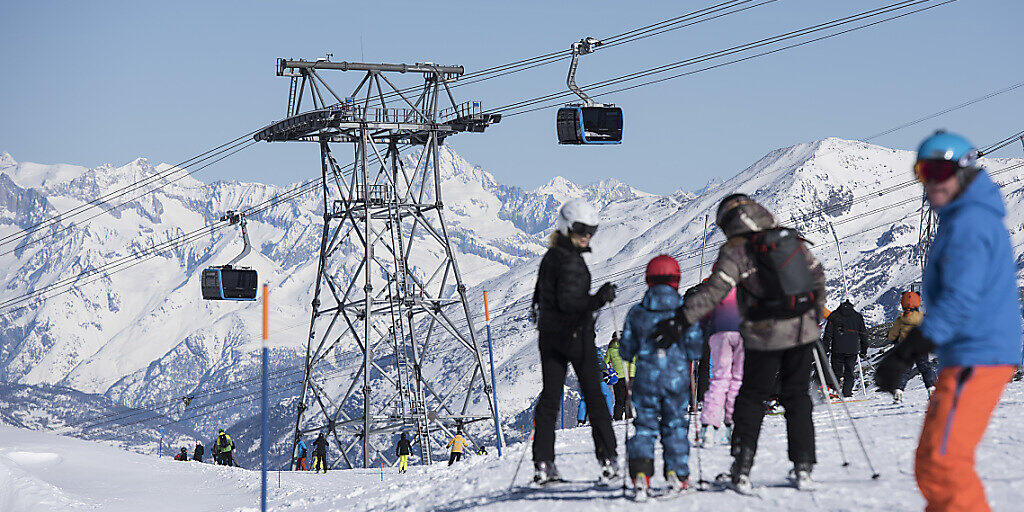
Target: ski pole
point(701, 483)
point(874, 474)
point(828, 402)
point(863, 387)
point(625, 431)
point(521, 458)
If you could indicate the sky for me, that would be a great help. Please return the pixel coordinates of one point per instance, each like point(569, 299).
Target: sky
point(90, 83)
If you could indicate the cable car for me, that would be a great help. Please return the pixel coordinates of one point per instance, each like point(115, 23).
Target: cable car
point(581, 124)
point(587, 122)
point(228, 282)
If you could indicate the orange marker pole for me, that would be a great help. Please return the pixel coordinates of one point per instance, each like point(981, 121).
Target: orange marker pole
point(264, 400)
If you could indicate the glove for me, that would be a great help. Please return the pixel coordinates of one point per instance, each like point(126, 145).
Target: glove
point(898, 360)
point(606, 293)
point(670, 330)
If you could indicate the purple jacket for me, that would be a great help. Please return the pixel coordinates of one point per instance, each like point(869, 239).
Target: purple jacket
point(726, 316)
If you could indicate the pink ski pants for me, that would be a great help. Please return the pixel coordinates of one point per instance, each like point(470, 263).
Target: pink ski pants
point(727, 363)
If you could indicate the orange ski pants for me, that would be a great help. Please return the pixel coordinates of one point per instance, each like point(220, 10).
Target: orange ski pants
point(958, 413)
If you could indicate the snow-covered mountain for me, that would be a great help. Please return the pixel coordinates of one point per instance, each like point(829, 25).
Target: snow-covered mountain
point(144, 337)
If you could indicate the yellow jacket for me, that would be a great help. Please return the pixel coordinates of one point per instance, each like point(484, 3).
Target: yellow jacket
point(902, 326)
point(457, 443)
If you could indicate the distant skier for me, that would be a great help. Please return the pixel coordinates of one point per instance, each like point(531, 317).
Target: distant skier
point(621, 408)
point(780, 296)
point(608, 380)
point(845, 337)
point(320, 453)
point(482, 450)
point(973, 322)
point(661, 391)
point(224, 449)
point(457, 444)
point(403, 449)
point(197, 455)
point(727, 357)
point(911, 318)
point(565, 320)
point(302, 453)
point(182, 455)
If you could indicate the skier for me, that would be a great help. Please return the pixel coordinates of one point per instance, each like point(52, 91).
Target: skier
point(320, 453)
point(608, 381)
point(402, 450)
point(911, 318)
point(780, 297)
point(621, 408)
point(482, 450)
point(457, 444)
point(183, 455)
point(845, 336)
point(973, 322)
point(303, 451)
point(564, 310)
point(197, 455)
point(727, 356)
point(662, 386)
point(223, 449)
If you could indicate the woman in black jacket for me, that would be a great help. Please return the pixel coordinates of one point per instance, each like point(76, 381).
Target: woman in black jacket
point(565, 321)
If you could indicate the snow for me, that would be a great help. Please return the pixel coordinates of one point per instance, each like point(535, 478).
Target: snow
point(46, 472)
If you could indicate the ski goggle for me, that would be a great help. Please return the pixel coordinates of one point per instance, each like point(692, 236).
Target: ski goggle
point(579, 228)
point(931, 170)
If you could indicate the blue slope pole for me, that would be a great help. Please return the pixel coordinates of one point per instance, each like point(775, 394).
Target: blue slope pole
point(265, 430)
point(494, 380)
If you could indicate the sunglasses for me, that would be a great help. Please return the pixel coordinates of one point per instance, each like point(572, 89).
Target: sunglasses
point(579, 228)
point(931, 170)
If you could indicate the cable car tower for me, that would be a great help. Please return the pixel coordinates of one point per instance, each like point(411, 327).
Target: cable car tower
point(387, 283)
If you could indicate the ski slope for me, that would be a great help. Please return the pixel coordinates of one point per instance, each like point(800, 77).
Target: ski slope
point(45, 472)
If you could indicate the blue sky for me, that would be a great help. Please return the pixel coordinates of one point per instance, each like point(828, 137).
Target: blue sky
point(96, 82)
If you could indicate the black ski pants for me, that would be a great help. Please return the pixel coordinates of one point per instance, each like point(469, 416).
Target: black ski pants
point(621, 409)
point(792, 367)
point(555, 357)
point(455, 457)
point(704, 370)
point(844, 366)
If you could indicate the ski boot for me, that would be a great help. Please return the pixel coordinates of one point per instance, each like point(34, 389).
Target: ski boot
point(675, 484)
point(580, 423)
point(727, 435)
point(639, 473)
point(800, 476)
point(641, 487)
point(545, 472)
point(609, 471)
point(738, 477)
point(702, 437)
point(897, 396)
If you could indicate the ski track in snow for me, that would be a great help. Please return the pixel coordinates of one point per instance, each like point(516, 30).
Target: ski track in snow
point(45, 472)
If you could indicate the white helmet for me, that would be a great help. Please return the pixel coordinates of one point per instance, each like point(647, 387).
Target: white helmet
point(576, 216)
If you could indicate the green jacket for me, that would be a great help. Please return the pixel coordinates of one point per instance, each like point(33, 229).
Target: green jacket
point(612, 356)
point(227, 446)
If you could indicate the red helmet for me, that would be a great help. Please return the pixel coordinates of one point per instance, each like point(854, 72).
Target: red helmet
point(663, 269)
point(910, 300)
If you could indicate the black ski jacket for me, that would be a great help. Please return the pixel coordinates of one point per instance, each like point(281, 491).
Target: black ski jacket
point(845, 332)
point(320, 445)
point(562, 295)
point(404, 447)
point(198, 455)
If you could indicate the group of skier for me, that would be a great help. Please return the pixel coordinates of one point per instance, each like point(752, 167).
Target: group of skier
point(223, 450)
point(757, 321)
point(319, 462)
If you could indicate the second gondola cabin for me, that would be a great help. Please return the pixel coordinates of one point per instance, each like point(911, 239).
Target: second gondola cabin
point(229, 283)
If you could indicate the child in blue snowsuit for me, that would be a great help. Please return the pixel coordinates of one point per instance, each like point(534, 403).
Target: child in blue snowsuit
point(661, 388)
point(608, 379)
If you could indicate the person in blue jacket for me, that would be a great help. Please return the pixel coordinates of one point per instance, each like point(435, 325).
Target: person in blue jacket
point(300, 459)
point(608, 380)
point(661, 388)
point(972, 322)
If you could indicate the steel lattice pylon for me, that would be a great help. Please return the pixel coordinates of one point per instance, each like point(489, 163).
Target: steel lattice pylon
point(404, 300)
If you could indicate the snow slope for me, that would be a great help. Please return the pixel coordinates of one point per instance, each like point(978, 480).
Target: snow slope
point(45, 472)
point(148, 342)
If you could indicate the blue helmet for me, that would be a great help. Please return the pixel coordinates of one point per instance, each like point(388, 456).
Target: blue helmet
point(948, 146)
